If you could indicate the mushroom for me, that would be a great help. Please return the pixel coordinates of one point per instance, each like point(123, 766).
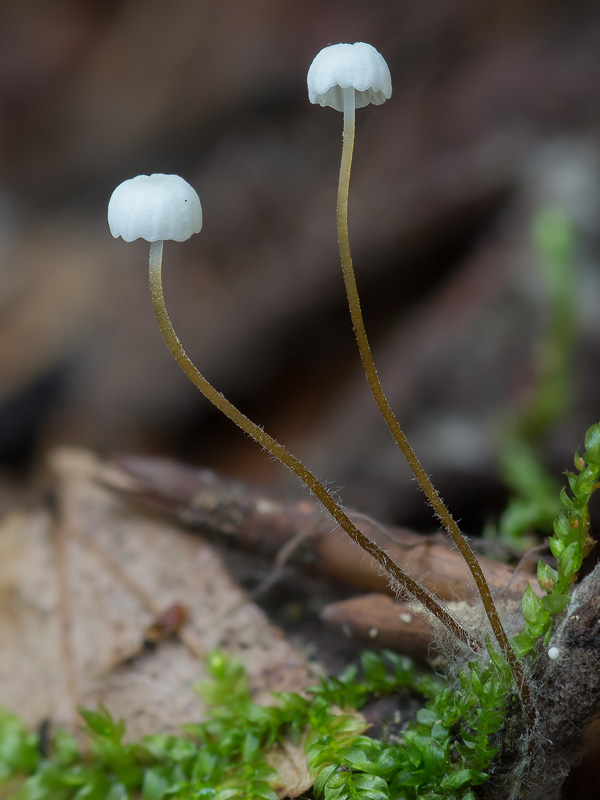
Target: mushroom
point(154, 207)
point(159, 207)
point(346, 77)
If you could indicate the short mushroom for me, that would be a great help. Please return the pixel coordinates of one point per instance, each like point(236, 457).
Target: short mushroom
point(159, 207)
point(155, 208)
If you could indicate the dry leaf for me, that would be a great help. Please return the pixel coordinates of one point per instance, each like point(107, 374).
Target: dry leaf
point(289, 761)
point(79, 588)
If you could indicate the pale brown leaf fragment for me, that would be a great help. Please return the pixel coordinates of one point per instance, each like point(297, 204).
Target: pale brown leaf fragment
point(84, 584)
point(289, 762)
point(31, 677)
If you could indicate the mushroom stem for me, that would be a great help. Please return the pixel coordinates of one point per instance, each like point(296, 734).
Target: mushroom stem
point(401, 581)
point(431, 493)
point(155, 260)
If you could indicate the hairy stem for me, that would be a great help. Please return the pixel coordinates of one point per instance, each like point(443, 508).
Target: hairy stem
point(401, 579)
point(431, 493)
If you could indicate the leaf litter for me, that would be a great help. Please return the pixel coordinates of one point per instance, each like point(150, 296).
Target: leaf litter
point(81, 583)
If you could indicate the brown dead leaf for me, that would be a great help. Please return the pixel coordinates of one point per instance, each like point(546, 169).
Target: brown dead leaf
point(289, 762)
point(80, 586)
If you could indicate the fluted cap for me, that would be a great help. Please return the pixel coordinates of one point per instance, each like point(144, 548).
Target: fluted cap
point(154, 207)
point(341, 66)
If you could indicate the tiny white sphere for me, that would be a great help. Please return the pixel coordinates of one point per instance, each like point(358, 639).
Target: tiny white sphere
point(553, 653)
point(154, 207)
point(341, 66)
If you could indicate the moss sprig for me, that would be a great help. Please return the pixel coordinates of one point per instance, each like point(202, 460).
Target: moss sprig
point(570, 544)
point(444, 752)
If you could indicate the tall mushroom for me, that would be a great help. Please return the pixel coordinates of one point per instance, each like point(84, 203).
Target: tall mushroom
point(346, 77)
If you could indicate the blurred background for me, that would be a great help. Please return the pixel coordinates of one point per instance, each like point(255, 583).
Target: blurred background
point(494, 118)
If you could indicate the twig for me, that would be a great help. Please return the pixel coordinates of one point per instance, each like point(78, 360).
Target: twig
point(203, 500)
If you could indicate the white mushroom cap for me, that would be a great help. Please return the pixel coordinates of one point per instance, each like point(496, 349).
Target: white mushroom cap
point(154, 208)
point(341, 66)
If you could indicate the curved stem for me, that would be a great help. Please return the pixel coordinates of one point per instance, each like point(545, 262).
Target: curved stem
point(431, 493)
point(401, 581)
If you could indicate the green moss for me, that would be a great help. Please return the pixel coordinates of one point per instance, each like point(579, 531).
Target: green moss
point(447, 751)
point(569, 545)
point(224, 757)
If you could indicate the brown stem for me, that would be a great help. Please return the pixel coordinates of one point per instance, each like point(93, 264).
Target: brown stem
point(201, 498)
point(431, 493)
point(403, 581)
